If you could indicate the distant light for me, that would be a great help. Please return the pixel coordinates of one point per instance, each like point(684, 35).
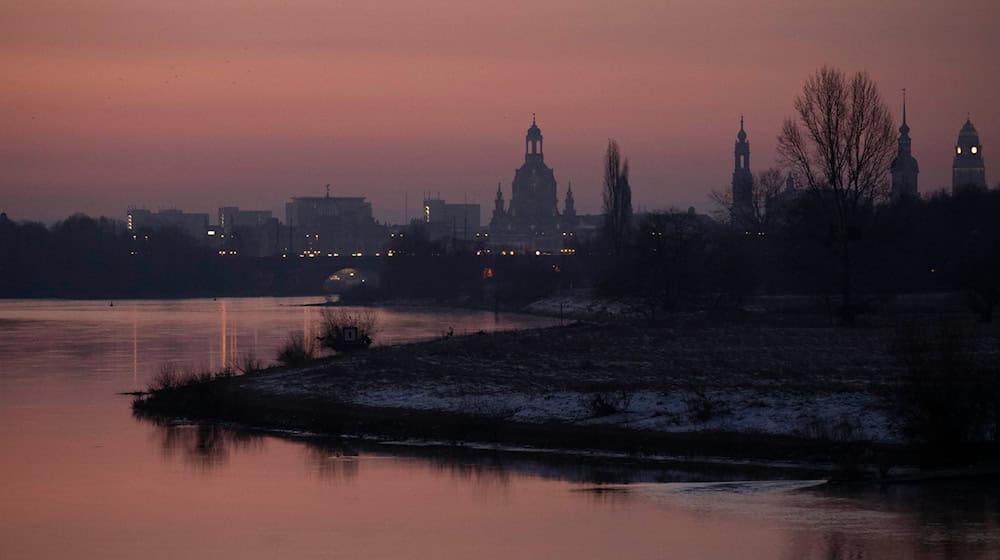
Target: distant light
point(538, 253)
point(975, 149)
point(211, 232)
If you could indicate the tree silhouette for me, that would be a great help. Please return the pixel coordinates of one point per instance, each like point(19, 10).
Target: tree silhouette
point(617, 200)
point(840, 147)
point(760, 215)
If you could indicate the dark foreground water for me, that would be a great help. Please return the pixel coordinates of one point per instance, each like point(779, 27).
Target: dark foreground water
point(80, 478)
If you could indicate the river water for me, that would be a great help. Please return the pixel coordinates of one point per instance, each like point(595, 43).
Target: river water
point(81, 478)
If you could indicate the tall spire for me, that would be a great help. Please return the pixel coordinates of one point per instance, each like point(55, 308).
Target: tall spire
point(904, 105)
point(904, 169)
point(905, 128)
point(533, 119)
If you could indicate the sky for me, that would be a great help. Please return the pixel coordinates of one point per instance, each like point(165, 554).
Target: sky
point(202, 104)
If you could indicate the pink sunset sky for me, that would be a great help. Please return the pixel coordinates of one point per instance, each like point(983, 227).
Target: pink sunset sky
point(196, 105)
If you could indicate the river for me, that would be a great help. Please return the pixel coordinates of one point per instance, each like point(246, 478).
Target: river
point(82, 478)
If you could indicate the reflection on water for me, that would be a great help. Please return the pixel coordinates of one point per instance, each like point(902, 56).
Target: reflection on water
point(808, 518)
point(83, 479)
point(205, 446)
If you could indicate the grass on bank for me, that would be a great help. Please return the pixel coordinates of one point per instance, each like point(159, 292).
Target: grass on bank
point(609, 363)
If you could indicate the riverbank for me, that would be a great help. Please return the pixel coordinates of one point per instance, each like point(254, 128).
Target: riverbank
point(699, 385)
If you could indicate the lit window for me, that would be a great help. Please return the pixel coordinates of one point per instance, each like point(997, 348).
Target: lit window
point(975, 149)
point(958, 150)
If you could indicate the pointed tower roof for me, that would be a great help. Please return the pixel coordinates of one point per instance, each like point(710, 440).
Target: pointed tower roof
point(742, 134)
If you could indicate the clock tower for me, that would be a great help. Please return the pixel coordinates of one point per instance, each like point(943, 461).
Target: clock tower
point(968, 171)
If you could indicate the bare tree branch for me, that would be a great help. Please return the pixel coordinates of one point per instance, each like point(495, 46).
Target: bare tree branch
point(843, 155)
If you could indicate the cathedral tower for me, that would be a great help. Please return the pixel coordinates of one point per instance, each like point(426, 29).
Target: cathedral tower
point(968, 170)
point(904, 168)
point(742, 178)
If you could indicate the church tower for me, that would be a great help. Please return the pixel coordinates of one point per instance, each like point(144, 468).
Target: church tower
point(498, 211)
point(533, 193)
point(968, 170)
point(742, 178)
point(569, 211)
point(904, 168)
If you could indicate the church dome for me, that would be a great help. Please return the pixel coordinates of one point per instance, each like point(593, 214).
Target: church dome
point(742, 134)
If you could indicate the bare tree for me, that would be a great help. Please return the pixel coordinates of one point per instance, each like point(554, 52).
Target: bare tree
point(759, 215)
point(840, 147)
point(617, 200)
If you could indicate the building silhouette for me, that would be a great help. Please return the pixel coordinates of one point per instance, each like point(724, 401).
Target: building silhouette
point(194, 225)
point(569, 220)
point(533, 191)
point(904, 168)
point(742, 203)
point(449, 220)
point(332, 225)
point(532, 220)
point(968, 171)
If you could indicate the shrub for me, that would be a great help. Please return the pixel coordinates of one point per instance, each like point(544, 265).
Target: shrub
point(334, 320)
point(606, 403)
point(166, 378)
point(297, 351)
point(945, 399)
point(249, 363)
point(170, 378)
point(702, 408)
